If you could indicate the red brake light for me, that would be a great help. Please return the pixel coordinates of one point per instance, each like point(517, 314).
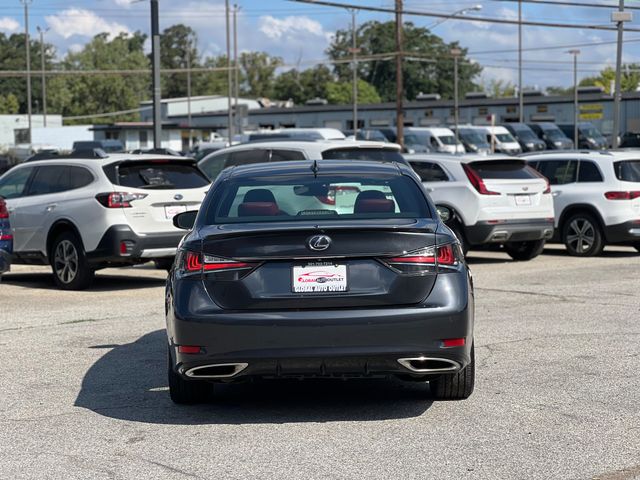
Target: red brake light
point(426, 259)
point(622, 195)
point(446, 255)
point(192, 349)
point(193, 262)
point(476, 181)
point(453, 342)
point(4, 213)
point(119, 199)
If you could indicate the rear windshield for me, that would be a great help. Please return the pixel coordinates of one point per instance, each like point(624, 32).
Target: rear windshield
point(327, 197)
point(504, 170)
point(161, 174)
point(628, 171)
point(376, 154)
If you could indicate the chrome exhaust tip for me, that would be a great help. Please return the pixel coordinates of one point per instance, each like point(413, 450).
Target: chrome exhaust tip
point(218, 370)
point(429, 365)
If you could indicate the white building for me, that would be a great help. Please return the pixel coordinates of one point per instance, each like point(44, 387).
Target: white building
point(14, 129)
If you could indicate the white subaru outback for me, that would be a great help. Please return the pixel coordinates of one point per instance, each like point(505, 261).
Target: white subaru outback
point(83, 214)
point(494, 200)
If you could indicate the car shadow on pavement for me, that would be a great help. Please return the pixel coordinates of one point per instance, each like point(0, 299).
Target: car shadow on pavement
point(129, 383)
point(562, 252)
point(102, 283)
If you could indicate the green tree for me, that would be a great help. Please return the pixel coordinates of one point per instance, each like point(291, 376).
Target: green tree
point(427, 66)
point(559, 91)
point(629, 80)
point(178, 50)
point(500, 89)
point(9, 104)
point(74, 95)
point(301, 86)
point(342, 93)
point(258, 69)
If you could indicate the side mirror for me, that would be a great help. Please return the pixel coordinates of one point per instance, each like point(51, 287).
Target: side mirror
point(444, 213)
point(185, 220)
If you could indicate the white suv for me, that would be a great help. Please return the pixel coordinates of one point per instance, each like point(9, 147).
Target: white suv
point(286, 150)
point(83, 214)
point(596, 197)
point(494, 200)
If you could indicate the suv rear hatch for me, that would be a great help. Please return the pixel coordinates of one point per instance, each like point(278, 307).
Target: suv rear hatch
point(628, 174)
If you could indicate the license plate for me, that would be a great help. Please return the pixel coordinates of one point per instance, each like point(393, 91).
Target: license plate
point(319, 277)
point(171, 211)
point(523, 200)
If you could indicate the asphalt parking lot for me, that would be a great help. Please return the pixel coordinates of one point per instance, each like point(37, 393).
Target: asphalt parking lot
point(84, 391)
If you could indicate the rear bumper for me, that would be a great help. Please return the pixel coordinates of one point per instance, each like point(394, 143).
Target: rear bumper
point(626, 232)
point(344, 342)
point(138, 247)
point(510, 231)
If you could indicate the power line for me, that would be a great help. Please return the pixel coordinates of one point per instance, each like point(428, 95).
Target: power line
point(502, 21)
point(553, 47)
point(571, 4)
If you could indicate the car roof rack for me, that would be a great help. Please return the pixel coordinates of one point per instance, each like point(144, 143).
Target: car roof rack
point(97, 153)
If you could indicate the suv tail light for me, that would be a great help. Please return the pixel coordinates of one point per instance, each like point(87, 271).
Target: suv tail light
point(477, 181)
point(4, 213)
point(429, 259)
point(197, 262)
point(119, 199)
point(622, 195)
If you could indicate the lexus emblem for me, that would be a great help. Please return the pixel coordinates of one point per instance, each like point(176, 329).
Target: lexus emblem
point(178, 196)
point(319, 242)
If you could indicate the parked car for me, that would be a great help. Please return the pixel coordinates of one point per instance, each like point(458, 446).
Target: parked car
point(5, 163)
point(292, 134)
point(285, 150)
point(589, 137)
point(80, 215)
point(109, 146)
point(501, 140)
point(630, 140)
point(6, 238)
point(528, 140)
point(596, 197)
point(272, 281)
point(157, 151)
point(493, 199)
point(437, 139)
point(366, 134)
point(203, 149)
point(551, 135)
point(473, 140)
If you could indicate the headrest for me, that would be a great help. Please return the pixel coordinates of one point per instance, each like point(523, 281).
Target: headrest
point(258, 209)
point(373, 201)
point(259, 195)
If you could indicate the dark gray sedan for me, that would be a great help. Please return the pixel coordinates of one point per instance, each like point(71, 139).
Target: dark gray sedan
point(331, 269)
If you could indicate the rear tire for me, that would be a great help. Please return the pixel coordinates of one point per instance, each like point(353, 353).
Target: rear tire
point(523, 251)
point(165, 263)
point(582, 235)
point(186, 392)
point(71, 270)
point(637, 246)
point(455, 386)
point(457, 230)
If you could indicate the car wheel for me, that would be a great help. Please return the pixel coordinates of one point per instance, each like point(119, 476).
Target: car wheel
point(522, 251)
point(186, 392)
point(455, 386)
point(582, 236)
point(637, 246)
point(164, 263)
point(71, 270)
point(456, 228)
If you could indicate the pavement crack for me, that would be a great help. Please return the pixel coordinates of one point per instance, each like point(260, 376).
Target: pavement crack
point(171, 469)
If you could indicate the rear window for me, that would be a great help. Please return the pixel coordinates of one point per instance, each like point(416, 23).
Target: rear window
point(375, 154)
point(504, 170)
point(327, 197)
point(628, 170)
point(160, 175)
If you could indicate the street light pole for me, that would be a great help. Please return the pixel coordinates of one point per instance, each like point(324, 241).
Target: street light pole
point(456, 52)
point(155, 64)
point(399, 80)
point(26, 4)
point(462, 11)
point(620, 17)
point(575, 54)
point(189, 49)
point(42, 31)
point(354, 52)
point(229, 75)
point(236, 81)
point(520, 90)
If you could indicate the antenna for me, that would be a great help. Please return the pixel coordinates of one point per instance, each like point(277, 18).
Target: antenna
point(314, 168)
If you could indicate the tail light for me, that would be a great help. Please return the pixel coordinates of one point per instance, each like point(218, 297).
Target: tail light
point(477, 181)
point(119, 199)
point(427, 260)
point(4, 213)
point(197, 262)
point(622, 195)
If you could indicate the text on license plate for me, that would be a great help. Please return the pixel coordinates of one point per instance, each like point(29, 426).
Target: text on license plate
point(171, 211)
point(319, 277)
point(523, 200)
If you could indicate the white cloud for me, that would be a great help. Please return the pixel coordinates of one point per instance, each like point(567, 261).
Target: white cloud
point(123, 3)
point(84, 23)
point(290, 27)
point(8, 24)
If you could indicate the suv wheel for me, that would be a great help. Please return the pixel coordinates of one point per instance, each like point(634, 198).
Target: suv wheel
point(523, 251)
point(455, 386)
point(71, 271)
point(186, 392)
point(164, 263)
point(582, 236)
point(457, 229)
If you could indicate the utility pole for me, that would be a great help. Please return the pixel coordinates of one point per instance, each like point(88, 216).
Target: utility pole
point(456, 52)
point(236, 81)
point(229, 76)
point(155, 64)
point(620, 17)
point(399, 80)
point(575, 54)
point(42, 31)
point(354, 66)
point(26, 4)
point(189, 48)
point(520, 89)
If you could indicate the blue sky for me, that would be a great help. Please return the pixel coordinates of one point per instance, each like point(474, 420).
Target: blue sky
point(300, 33)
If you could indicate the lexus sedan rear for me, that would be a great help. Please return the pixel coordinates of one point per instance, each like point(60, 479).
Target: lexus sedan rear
point(332, 269)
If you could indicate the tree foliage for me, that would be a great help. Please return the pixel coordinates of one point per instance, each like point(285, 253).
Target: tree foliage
point(259, 69)
point(342, 93)
point(427, 66)
point(178, 50)
point(500, 89)
point(629, 81)
point(9, 104)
